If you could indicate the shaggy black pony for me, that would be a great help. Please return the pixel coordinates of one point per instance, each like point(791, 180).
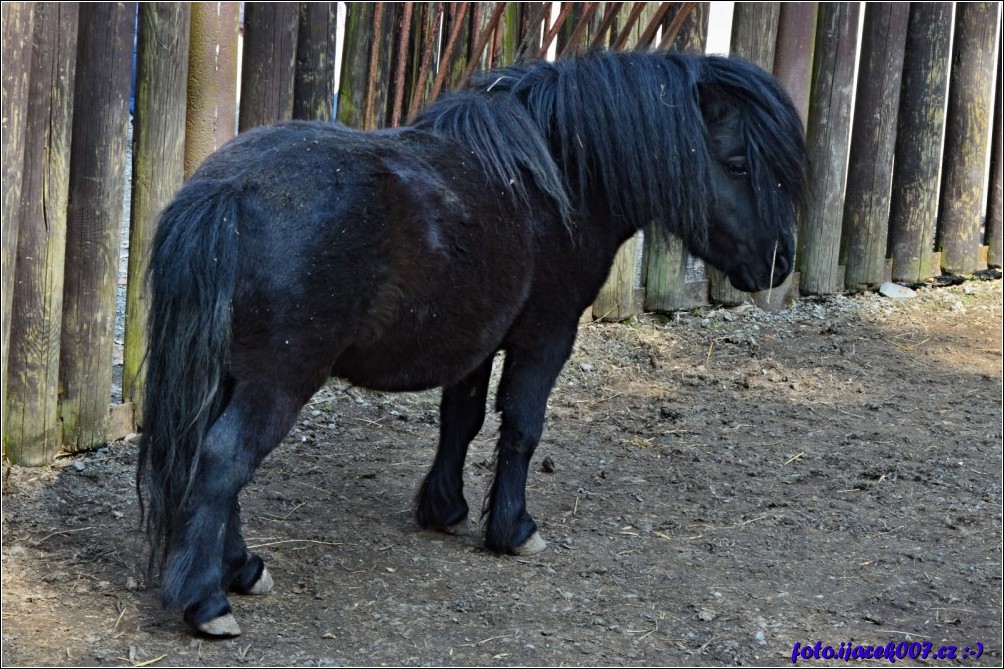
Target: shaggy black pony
point(405, 259)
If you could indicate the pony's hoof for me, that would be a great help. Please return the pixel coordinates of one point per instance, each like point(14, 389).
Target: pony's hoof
point(262, 586)
point(223, 626)
point(531, 546)
point(462, 529)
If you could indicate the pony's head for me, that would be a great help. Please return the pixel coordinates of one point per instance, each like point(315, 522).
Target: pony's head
point(709, 147)
point(755, 174)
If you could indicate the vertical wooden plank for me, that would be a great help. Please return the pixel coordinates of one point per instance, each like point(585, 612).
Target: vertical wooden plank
point(873, 142)
point(268, 71)
point(211, 120)
point(16, 24)
point(796, 41)
point(158, 164)
point(31, 414)
point(827, 138)
point(429, 19)
point(355, 62)
point(314, 90)
point(995, 252)
point(97, 170)
point(920, 132)
point(794, 48)
point(616, 300)
point(970, 101)
point(665, 256)
point(754, 34)
point(463, 24)
point(512, 20)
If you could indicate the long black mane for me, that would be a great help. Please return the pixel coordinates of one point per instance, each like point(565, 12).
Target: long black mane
point(630, 124)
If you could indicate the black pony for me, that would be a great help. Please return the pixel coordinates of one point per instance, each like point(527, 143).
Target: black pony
point(405, 259)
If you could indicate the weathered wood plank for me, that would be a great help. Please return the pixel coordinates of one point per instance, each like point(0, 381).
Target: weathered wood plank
point(211, 120)
point(158, 163)
point(355, 63)
point(313, 93)
point(994, 240)
point(919, 139)
point(827, 138)
point(33, 431)
point(16, 25)
point(268, 73)
point(794, 47)
point(873, 141)
point(97, 170)
point(970, 104)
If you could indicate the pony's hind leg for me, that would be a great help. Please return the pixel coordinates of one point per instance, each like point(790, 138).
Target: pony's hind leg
point(527, 379)
point(440, 501)
point(243, 571)
point(206, 532)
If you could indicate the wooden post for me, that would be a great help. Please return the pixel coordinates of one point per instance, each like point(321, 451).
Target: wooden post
point(827, 137)
point(269, 68)
point(796, 42)
point(16, 24)
point(211, 120)
point(794, 47)
point(916, 178)
point(665, 256)
point(970, 100)
point(995, 252)
point(873, 142)
point(31, 414)
point(97, 170)
point(355, 62)
point(158, 164)
point(314, 91)
point(465, 25)
point(754, 35)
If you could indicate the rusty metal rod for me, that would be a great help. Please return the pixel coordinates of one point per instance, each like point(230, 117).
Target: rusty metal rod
point(652, 28)
point(482, 41)
point(369, 101)
point(613, 9)
point(676, 25)
point(625, 33)
point(566, 8)
point(533, 31)
point(428, 52)
point(402, 61)
point(573, 46)
point(444, 60)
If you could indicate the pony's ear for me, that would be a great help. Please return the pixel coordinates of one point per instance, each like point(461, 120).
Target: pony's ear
point(717, 106)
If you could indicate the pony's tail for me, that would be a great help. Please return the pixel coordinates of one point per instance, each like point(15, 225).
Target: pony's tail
point(191, 281)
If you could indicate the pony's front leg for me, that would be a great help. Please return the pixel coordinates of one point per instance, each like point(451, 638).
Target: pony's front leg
point(207, 555)
point(440, 501)
point(527, 379)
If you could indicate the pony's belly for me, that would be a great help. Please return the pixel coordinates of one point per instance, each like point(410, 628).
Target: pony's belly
point(408, 368)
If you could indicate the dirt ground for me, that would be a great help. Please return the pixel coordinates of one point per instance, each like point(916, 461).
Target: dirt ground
point(715, 487)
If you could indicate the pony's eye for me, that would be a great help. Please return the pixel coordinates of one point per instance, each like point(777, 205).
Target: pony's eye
point(738, 168)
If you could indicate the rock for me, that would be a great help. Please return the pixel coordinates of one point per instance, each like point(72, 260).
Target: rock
point(896, 291)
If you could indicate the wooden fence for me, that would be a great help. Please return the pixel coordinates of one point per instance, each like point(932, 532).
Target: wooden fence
point(898, 177)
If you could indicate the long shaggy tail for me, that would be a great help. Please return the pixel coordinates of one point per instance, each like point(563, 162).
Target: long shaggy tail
point(192, 274)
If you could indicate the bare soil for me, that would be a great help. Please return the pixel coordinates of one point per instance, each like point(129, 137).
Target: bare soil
point(714, 486)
